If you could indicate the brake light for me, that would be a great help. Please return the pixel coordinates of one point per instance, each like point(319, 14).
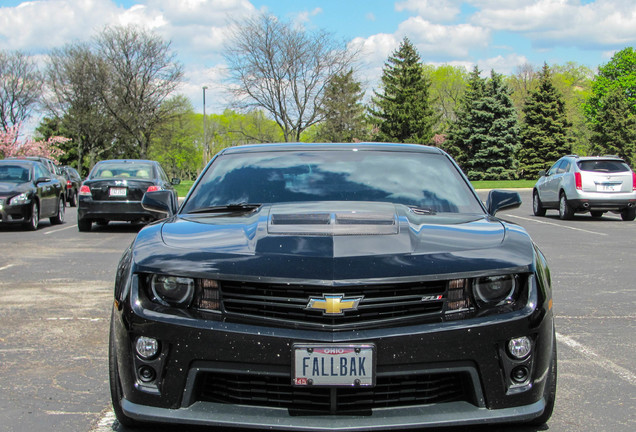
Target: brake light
point(153, 188)
point(69, 185)
point(85, 191)
point(633, 181)
point(578, 181)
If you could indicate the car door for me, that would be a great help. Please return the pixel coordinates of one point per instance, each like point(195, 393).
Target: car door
point(549, 189)
point(47, 191)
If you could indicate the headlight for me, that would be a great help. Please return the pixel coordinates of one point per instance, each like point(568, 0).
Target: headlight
point(23, 198)
point(172, 290)
point(495, 290)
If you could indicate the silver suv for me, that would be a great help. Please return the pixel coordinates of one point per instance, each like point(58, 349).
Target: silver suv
point(593, 183)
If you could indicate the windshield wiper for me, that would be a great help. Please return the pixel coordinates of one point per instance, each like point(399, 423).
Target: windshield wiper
point(228, 208)
point(422, 210)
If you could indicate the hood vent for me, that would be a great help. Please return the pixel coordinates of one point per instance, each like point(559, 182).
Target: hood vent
point(349, 222)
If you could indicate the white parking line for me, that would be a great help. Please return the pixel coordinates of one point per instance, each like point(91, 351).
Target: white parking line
point(105, 423)
point(555, 224)
point(6, 267)
point(61, 229)
point(625, 374)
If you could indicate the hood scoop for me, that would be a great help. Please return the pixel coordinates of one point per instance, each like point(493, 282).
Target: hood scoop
point(338, 219)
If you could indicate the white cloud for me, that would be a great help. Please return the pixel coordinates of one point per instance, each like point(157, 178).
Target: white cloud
point(431, 10)
point(501, 64)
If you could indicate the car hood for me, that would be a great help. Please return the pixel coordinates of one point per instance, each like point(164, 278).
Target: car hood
point(330, 241)
point(12, 188)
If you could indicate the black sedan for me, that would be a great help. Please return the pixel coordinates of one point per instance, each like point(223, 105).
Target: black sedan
point(28, 191)
point(73, 184)
point(114, 188)
point(332, 287)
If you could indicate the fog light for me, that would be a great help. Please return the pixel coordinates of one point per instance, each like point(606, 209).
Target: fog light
point(520, 347)
point(519, 374)
point(147, 347)
point(147, 374)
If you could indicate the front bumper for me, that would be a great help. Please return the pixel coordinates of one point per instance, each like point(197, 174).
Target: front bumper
point(14, 214)
point(114, 210)
point(195, 349)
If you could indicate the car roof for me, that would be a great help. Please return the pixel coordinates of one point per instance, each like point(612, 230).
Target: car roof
point(16, 161)
point(606, 157)
point(131, 161)
point(397, 147)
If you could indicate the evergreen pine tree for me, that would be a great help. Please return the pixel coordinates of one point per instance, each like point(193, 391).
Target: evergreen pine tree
point(494, 134)
point(544, 131)
point(615, 129)
point(403, 111)
point(343, 111)
point(458, 142)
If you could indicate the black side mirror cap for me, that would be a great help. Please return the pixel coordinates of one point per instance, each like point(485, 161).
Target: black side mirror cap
point(162, 201)
point(501, 199)
point(42, 180)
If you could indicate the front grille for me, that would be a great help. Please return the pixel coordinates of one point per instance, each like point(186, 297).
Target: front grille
point(379, 304)
point(277, 392)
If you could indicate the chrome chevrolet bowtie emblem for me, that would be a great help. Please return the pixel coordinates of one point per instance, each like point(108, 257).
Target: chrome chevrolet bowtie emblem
point(333, 304)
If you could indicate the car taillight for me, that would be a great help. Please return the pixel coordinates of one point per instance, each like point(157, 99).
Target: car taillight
point(578, 181)
point(153, 188)
point(633, 180)
point(69, 185)
point(85, 191)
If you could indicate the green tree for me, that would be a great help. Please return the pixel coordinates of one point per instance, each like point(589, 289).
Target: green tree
point(615, 129)
point(544, 131)
point(343, 111)
point(495, 134)
point(461, 134)
point(448, 85)
point(402, 110)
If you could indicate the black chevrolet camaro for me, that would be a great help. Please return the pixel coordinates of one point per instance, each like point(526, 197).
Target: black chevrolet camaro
point(332, 287)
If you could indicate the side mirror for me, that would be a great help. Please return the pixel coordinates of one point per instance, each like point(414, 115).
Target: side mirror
point(42, 180)
point(175, 181)
point(162, 201)
point(542, 173)
point(500, 199)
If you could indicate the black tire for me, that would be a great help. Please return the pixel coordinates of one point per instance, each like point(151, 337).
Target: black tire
point(597, 213)
point(628, 214)
point(84, 225)
point(61, 211)
point(550, 390)
point(72, 200)
point(537, 205)
point(565, 210)
point(34, 221)
point(116, 393)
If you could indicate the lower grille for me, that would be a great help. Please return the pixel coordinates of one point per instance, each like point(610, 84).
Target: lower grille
point(277, 392)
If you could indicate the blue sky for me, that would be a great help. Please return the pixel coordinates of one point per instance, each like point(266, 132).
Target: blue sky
point(493, 34)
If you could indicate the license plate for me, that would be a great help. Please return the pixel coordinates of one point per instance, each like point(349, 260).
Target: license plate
point(334, 365)
point(608, 187)
point(119, 192)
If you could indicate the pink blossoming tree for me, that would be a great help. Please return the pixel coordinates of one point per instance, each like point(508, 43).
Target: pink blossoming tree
point(11, 145)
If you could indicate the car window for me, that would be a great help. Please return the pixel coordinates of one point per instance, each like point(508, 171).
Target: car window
point(14, 173)
point(554, 168)
point(603, 166)
point(123, 170)
point(564, 166)
point(412, 178)
point(42, 171)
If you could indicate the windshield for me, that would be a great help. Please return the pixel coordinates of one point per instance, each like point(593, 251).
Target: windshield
point(603, 166)
point(14, 173)
point(415, 179)
point(122, 170)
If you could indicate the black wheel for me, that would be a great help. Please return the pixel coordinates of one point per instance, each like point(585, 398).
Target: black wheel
point(537, 205)
point(550, 390)
point(116, 393)
point(597, 213)
point(628, 214)
point(565, 211)
point(34, 221)
point(61, 210)
point(84, 225)
point(72, 200)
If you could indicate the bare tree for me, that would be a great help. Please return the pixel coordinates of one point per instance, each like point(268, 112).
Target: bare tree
point(73, 98)
point(283, 69)
point(20, 86)
point(137, 73)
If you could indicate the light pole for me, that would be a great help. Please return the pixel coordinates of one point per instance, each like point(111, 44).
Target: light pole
point(206, 150)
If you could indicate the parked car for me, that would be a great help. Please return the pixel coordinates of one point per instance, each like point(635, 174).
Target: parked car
point(332, 287)
point(114, 188)
point(28, 191)
point(50, 165)
point(595, 184)
point(73, 184)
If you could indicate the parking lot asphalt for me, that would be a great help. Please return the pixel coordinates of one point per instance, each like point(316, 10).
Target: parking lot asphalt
point(55, 300)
